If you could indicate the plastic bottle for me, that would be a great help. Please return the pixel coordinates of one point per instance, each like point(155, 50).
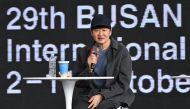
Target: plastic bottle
point(52, 65)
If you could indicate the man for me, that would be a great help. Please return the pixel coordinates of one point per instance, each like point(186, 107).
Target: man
point(109, 59)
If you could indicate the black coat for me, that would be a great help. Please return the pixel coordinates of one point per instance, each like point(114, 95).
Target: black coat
point(119, 66)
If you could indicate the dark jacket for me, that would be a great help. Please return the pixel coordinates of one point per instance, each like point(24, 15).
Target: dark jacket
point(119, 66)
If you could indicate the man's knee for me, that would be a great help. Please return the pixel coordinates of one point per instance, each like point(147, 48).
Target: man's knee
point(80, 105)
point(106, 104)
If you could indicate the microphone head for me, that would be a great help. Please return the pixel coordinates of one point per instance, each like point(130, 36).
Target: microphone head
point(95, 50)
point(91, 50)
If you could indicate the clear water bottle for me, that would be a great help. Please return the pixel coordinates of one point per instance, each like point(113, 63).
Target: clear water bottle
point(52, 65)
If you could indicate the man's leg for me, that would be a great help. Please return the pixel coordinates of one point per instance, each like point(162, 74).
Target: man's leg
point(81, 102)
point(108, 104)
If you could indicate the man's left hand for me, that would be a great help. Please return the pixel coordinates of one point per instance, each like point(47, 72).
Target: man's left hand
point(95, 101)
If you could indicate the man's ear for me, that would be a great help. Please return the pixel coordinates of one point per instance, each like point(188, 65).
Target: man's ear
point(110, 32)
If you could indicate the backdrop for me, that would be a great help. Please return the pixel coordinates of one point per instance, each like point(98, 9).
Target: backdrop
point(156, 33)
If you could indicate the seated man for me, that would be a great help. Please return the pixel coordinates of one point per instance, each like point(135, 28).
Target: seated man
point(106, 57)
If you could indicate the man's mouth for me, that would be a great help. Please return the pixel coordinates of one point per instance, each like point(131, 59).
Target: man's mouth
point(100, 38)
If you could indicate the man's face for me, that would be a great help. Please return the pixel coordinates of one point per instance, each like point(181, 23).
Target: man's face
point(101, 35)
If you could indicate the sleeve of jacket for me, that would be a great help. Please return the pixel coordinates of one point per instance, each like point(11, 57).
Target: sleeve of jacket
point(122, 81)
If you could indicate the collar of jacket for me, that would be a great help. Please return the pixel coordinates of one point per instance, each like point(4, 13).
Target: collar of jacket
point(114, 43)
point(113, 49)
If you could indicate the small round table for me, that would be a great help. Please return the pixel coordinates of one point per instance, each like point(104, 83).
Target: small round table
point(68, 84)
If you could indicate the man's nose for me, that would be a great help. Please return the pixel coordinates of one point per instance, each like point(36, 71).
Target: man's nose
point(100, 32)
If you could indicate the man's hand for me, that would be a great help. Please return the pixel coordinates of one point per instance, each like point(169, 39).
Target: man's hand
point(92, 59)
point(95, 101)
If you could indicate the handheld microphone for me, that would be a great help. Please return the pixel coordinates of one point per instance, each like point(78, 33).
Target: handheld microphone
point(94, 50)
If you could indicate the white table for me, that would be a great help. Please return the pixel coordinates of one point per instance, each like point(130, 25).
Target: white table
point(68, 84)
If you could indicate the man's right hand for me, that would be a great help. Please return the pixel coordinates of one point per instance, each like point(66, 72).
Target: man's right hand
point(92, 59)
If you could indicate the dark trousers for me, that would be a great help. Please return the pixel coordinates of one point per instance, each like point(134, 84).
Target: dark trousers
point(81, 102)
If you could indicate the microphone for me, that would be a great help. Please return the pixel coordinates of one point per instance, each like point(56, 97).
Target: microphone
point(94, 50)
